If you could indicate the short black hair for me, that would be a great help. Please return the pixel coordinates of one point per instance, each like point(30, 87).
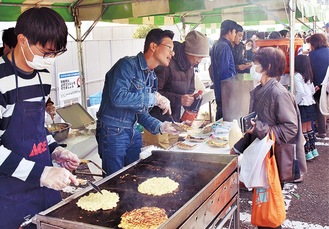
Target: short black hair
point(260, 35)
point(284, 32)
point(274, 35)
point(226, 26)
point(239, 28)
point(9, 37)
point(43, 25)
point(156, 36)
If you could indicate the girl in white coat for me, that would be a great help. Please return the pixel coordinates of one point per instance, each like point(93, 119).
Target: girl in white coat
point(304, 91)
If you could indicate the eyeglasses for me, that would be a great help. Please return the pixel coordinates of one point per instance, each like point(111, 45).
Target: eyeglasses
point(171, 49)
point(51, 54)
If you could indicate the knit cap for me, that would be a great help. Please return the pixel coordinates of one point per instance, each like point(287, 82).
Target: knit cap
point(196, 44)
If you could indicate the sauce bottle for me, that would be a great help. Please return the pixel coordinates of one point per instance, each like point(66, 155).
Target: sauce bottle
point(191, 112)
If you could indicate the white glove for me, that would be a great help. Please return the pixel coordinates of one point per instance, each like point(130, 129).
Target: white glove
point(163, 103)
point(166, 127)
point(57, 178)
point(65, 158)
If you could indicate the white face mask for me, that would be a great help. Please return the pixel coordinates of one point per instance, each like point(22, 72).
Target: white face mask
point(255, 75)
point(38, 62)
point(248, 47)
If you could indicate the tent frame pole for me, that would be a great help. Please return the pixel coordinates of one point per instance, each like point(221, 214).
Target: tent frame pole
point(292, 13)
point(77, 23)
point(79, 39)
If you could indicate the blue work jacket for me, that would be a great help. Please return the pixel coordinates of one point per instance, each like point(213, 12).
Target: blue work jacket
point(222, 64)
point(128, 95)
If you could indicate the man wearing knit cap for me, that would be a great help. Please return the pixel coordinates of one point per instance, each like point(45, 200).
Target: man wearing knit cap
point(176, 82)
point(222, 61)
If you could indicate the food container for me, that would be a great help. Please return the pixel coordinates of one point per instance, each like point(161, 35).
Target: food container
point(77, 116)
point(59, 131)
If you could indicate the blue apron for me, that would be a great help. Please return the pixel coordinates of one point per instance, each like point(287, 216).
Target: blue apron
point(26, 136)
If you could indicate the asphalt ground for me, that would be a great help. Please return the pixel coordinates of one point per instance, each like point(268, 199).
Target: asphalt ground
point(307, 203)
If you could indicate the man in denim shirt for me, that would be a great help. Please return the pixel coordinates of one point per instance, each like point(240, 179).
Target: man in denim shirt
point(129, 92)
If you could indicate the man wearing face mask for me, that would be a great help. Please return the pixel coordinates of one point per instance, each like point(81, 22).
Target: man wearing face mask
point(29, 183)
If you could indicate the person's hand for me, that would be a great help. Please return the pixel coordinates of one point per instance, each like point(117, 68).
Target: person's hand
point(244, 66)
point(57, 178)
point(252, 128)
point(232, 151)
point(316, 88)
point(187, 100)
point(166, 127)
point(65, 158)
point(51, 110)
point(248, 65)
point(163, 103)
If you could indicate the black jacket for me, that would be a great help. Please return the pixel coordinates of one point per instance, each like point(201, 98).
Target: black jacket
point(174, 81)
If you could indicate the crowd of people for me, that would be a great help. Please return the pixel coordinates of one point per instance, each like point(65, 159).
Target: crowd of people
point(293, 117)
point(148, 89)
point(315, 47)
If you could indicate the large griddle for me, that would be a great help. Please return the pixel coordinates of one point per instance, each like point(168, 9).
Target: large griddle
point(198, 175)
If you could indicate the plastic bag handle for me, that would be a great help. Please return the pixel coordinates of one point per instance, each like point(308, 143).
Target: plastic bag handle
point(272, 137)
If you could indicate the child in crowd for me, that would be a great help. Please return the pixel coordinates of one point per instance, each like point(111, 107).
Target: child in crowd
point(304, 90)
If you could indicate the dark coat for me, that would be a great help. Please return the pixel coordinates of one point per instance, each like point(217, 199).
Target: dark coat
point(277, 111)
point(174, 81)
point(319, 61)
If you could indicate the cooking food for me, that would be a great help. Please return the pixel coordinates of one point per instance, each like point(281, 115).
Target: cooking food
point(207, 129)
point(181, 127)
point(82, 181)
point(57, 127)
point(158, 186)
point(96, 201)
point(195, 139)
point(185, 146)
point(220, 143)
point(143, 218)
point(185, 127)
point(59, 131)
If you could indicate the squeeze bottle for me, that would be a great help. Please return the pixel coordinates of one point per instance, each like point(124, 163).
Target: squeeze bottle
point(235, 133)
point(191, 113)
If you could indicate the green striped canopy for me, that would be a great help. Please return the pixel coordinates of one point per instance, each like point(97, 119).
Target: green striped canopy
point(168, 12)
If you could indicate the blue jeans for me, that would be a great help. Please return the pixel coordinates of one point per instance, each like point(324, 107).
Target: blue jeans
point(117, 146)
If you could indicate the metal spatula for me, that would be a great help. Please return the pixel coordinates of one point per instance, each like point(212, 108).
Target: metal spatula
point(94, 187)
point(85, 161)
